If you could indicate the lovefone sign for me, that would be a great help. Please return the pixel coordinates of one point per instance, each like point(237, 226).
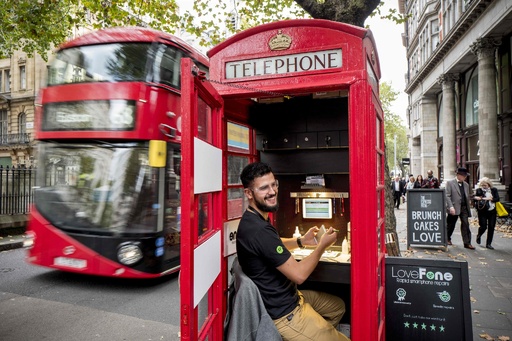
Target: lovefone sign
point(426, 217)
point(427, 299)
point(421, 275)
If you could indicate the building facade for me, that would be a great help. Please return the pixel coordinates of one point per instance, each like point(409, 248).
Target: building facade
point(459, 87)
point(21, 77)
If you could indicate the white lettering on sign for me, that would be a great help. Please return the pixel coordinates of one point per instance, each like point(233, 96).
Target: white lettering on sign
point(425, 237)
point(301, 62)
point(71, 118)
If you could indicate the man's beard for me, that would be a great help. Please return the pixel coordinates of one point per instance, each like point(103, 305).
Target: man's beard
point(264, 207)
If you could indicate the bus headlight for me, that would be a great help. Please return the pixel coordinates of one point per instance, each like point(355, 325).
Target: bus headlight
point(29, 238)
point(129, 253)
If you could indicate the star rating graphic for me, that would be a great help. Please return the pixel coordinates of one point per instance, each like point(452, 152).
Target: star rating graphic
point(424, 326)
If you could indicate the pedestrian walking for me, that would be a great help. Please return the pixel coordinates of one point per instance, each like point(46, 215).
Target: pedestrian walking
point(485, 198)
point(431, 181)
point(419, 181)
point(398, 188)
point(457, 205)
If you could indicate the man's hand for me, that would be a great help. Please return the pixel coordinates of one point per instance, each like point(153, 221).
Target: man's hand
point(298, 272)
point(452, 211)
point(328, 238)
point(309, 238)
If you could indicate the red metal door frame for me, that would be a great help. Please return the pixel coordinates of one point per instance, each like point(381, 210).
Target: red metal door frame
point(201, 256)
point(367, 290)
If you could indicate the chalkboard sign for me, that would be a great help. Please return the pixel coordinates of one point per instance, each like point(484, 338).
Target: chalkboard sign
point(427, 299)
point(426, 217)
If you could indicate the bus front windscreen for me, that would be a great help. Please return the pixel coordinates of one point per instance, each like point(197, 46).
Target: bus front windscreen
point(119, 62)
point(97, 188)
point(100, 63)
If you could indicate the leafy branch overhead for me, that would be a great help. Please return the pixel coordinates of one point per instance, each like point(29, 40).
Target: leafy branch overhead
point(36, 26)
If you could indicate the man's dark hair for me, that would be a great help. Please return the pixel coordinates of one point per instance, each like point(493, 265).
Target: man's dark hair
point(252, 171)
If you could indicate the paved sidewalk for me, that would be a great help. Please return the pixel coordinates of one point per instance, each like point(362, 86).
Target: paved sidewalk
point(490, 276)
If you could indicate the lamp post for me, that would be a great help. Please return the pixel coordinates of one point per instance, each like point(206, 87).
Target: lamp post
point(394, 159)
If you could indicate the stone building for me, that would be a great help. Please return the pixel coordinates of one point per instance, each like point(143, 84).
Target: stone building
point(21, 77)
point(459, 85)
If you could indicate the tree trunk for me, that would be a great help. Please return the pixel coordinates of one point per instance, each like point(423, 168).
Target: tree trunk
point(352, 12)
point(392, 242)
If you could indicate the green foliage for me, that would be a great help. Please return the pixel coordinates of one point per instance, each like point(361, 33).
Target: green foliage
point(33, 26)
point(211, 20)
point(393, 126)
point(392, 14)
point(159, 14)
point(36, 26)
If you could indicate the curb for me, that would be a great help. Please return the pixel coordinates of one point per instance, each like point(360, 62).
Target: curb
point(11, 246)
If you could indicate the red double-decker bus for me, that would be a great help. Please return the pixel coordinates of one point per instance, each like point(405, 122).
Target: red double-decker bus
point(108, 130)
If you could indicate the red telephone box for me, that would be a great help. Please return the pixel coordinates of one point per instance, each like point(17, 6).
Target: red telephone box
point(303, 96)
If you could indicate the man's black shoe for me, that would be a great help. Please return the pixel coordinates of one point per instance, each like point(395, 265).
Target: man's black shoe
point(469, 246)
point(489, 247)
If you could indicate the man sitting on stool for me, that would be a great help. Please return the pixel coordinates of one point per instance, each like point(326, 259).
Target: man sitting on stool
point(266, 259)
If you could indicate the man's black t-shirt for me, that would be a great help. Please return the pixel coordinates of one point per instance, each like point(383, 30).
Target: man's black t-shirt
point(260, 251)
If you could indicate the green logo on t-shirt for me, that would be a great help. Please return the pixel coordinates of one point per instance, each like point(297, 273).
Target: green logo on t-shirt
point(279, 249)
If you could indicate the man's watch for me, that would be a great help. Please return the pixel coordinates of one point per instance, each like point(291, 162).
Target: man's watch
point(299, 243)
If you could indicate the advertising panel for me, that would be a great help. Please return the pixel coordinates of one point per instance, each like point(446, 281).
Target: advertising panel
point(426, 217)
point(427, 299)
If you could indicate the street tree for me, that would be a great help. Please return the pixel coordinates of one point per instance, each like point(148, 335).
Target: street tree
point(35, 26)
point(393, 126)
point(394, 130)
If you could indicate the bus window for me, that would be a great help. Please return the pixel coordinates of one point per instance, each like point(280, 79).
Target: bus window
point(100, 63)
point(172, 225)
point(169, 67)
point(97, 187)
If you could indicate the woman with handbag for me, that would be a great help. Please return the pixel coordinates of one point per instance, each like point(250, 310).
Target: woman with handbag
point(485, 198)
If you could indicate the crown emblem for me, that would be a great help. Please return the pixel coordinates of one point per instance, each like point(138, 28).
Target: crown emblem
point(280, 41)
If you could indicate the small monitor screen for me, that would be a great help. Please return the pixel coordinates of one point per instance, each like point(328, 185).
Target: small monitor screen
point(317, 208)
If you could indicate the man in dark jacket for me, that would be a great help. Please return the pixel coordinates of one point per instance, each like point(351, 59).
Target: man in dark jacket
point(398, 187)
point(431, 181)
